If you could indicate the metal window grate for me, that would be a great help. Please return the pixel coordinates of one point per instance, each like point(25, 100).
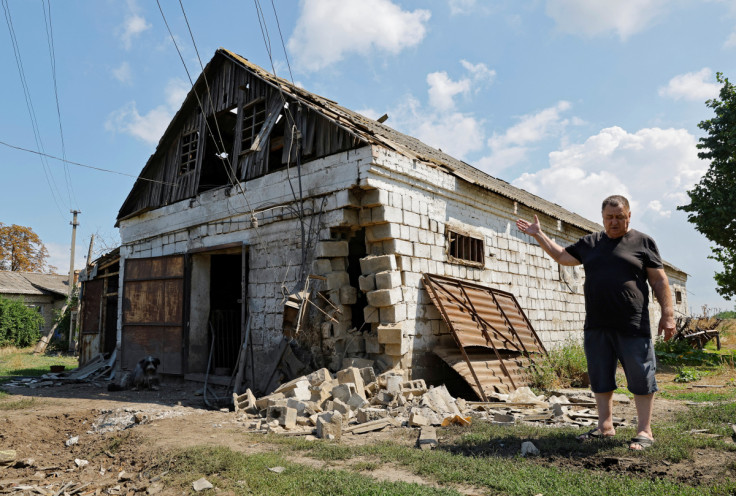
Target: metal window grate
point(465, 248)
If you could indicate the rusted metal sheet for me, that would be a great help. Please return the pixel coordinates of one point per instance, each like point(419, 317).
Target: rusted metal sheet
point(493, 335)
point(90, 348)
point(91, 297)
point(153, 302)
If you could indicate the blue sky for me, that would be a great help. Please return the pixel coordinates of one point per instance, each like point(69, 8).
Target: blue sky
point(572, 100)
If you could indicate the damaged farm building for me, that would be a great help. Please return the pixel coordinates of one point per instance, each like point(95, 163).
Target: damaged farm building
point(274, 233)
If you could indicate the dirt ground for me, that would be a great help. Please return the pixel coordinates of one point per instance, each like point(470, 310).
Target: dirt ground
point(119, 451)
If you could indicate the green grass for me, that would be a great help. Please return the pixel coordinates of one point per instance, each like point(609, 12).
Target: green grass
point(21, 404)
point(16, 362)
point(564, 366)
point(725, 394)
point(240, 473)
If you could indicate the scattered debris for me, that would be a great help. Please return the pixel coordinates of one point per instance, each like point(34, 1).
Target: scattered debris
point(7, 457)
point(277, 470)
point(529, 449)
point(427, 438)
point(201, 484)
point(72, 441)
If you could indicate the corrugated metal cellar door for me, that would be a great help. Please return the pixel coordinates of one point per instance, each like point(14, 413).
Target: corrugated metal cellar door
point(495, 339)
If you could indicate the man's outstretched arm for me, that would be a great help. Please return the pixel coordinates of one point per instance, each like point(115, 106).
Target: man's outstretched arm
point(554, 250)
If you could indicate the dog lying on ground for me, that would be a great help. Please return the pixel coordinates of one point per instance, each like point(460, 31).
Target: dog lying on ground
point(144, 376)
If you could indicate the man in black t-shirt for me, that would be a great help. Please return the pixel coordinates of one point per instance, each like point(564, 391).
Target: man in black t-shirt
point(618, 264)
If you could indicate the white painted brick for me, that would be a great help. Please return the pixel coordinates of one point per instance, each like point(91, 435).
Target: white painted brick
point(411, 279)
point(381, 231)
point(390, 334)
point(421, 250)
point(394, 313)
point(336, 280)
point(384, 297)
point(397, 349)
point(411, 219)
point(321, 266)
point(386, 214)
point(398, 246)
point(338, 264)
point(373, 197)
point(388, 279)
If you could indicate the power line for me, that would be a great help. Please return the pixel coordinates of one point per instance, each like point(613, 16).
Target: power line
point(52, 57)
point(278, 24)
point(85, 165)
point(29, 103)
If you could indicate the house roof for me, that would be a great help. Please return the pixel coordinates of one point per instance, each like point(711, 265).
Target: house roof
point(33, 283)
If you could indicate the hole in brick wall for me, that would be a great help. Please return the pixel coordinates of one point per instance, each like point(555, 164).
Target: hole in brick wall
point(356, 251)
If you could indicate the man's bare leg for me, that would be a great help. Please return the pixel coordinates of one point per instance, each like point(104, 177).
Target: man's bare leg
point(604, 402)
point(644, 405)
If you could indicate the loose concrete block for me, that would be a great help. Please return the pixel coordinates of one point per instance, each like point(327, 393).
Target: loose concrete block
point(321, 266)
point(286, 416)
point(348, 295)
point(336, 280)
point(388, 279)
point(356, 401)
point(396, 349)
point(352, 375)
point(246, 402)
point(413, 388)
point(343, 392)
point(371, 314)
point(367, 373)
point(367, 283)
point(417, 420)
point(320, 394)
point(427, 438)
point(380, 263)
point(393, 314)
point(394, 383)
point(299, 406)
point(330, 249)
point(384, 297)
point(263, 402)
point(382, 398)
point(390, 334)
point(370, 414)
point(329, 426)
point(341, 407)
point(380, 232)
point(319, 376)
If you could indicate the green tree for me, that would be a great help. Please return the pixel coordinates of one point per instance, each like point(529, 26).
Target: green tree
point(19, 325)
point(22, 250)
point(712, 207)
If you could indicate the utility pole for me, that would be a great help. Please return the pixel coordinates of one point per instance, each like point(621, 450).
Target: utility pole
point(74, 223)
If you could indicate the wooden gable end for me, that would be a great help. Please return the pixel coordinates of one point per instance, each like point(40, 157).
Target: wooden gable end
point(233, 126)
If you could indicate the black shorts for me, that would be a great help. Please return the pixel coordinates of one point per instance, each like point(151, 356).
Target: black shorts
point(603, 348)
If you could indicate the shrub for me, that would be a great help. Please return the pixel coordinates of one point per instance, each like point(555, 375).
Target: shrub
point(679, 352)
point(565, 366)
point(687, 375)
point(19, 324)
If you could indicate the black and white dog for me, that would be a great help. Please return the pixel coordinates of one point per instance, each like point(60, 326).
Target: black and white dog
point(144, 376)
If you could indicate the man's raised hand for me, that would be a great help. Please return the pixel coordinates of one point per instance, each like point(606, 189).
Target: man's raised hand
point(527, 228)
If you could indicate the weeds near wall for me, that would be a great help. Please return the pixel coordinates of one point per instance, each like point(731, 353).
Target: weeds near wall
point(564, 366)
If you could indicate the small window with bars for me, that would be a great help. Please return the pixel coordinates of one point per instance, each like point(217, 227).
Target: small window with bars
point(678, 297)
point(188, 155)
point(254, 115)
point(464, 248)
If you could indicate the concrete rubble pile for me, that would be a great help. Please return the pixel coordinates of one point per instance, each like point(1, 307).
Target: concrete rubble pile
point(356, 401)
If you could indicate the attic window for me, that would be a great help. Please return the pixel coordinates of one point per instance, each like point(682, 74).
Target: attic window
point(462, 247)
point(254, 115)
point(188, 156)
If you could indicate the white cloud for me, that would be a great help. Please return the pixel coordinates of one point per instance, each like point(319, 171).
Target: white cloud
point(59, 255)
point(123, 73)
point(511, 147)
point(691, 86)
point(327, 30)
point(653, 166)
point(132, 27)
point(730, 41)
point(594, 18)
point(442, 90)
point(148, 127)
point(479, 72)
point(456, 134)
point(461, 6)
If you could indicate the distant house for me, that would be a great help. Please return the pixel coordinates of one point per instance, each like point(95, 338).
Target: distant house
point(260, 192)
point(47, 293)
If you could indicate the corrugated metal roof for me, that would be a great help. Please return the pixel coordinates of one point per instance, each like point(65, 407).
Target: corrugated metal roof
point(494, 336)
point(33, 283)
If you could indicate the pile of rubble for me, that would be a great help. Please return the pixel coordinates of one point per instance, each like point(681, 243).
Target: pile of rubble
point(356, 401)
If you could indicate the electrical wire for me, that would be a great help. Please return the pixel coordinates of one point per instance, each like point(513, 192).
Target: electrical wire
point(55, 195)
point(85, 165)
point(52, 58)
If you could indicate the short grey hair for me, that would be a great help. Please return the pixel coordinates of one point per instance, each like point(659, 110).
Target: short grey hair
point(616, 201)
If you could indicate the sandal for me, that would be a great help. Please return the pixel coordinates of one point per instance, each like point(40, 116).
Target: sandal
point(592, 434)
point(643, 441)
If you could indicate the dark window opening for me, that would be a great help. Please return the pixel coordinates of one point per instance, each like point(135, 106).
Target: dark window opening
point(356, 251)
point(465, 248)
point(678, 297)
point(276, 145)
point(254, 115)
point(220, 140)
point(188, 154)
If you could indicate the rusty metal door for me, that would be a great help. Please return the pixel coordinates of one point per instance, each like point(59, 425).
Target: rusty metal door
point(90, 324)
point(495, 340)
point(153, 317)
